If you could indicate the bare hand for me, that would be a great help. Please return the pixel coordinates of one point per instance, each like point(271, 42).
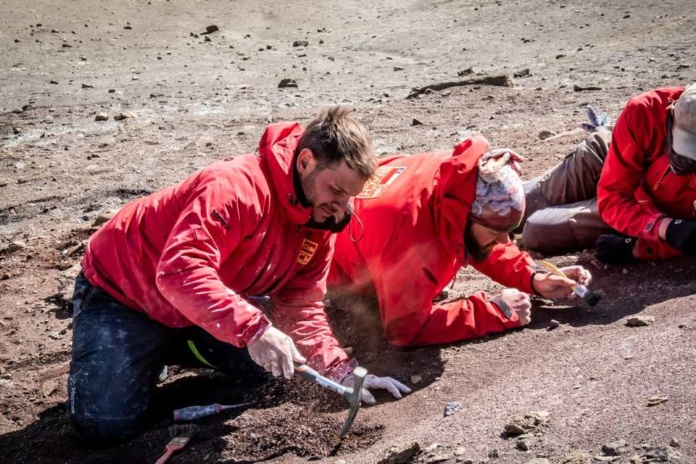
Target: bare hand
point(519, 304)
point(554, 287)
point(275, 352)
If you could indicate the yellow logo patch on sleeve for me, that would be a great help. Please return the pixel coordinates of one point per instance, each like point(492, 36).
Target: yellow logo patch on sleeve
point(383, 178)
point(307, 250)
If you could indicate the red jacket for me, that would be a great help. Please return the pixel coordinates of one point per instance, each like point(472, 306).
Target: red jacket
point(191, 253)
point(637, 188)
point(414, 213)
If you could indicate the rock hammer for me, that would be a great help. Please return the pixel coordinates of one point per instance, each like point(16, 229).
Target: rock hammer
point(352, 395)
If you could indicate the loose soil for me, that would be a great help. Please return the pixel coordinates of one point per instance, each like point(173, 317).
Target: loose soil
point(196, 100)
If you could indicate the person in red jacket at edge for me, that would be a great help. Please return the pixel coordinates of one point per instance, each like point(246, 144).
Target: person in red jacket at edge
point(630, 192)
point(169, 279)
point(425, 217)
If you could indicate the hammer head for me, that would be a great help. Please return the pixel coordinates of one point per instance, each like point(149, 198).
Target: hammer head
point(354, 398)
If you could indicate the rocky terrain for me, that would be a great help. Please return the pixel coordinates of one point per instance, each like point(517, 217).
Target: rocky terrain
point(103, 102)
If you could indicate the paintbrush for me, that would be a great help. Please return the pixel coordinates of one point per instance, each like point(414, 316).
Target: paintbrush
point(591, 297)
point(180, 436)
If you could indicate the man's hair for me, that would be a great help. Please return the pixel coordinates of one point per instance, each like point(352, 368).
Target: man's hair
point(334, 135)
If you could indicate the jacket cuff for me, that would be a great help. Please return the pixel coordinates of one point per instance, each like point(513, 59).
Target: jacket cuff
point(652, 227)
point(342, 370)
point(509, 317)
point(258, 328)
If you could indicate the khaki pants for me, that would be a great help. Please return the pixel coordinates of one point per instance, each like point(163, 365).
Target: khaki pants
point(561, 214)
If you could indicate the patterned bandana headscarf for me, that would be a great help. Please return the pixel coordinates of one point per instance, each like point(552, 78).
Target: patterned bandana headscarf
point(499, 201)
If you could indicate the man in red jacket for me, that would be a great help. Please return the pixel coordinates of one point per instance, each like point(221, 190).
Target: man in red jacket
point(644, 205)
point(422, 218)
point(172, 276)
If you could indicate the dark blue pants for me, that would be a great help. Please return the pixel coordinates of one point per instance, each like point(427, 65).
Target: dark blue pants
point(118, 354)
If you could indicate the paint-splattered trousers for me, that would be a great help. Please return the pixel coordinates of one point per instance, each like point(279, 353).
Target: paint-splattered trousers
point(118, 355)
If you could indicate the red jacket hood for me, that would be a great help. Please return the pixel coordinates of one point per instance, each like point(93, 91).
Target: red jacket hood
point(277, 151)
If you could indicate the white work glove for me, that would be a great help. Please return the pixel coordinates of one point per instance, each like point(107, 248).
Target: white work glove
point(597, 121)
point(275, 352)
point(394, 387)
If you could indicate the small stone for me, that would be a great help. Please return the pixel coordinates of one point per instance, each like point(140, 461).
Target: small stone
point(580, 88)
point(438, 458)
point(398, 68)
point(674, 443)
point(446, 93)
point(340, 461)
point(300, 43)
point(465, 72)
point(15, 246)
point(101, 117)
point(640, 321)
point(660, 454)
point(494, 454)
point(416, 122)
point(523, 445)
point(287, 83)
point(430, 448)
point(87, 86)
point(539, 461)
point(49, 387)
point(553, 324)
point(545, 134)
point(575, 457)
point(401, 454)
point(125, 115)
point(416, 379)
point(614, 448)
point(459, 451)
point(559, 56)
point(53, 82)
point(657, 399)
point(212, 28)
point(207, 39)
point(103, 218)
point(453, 407)
point(684, 66)
point(522, 73)
point(520, 425)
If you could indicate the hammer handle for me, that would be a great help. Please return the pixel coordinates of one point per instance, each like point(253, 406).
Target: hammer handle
point(312, 375)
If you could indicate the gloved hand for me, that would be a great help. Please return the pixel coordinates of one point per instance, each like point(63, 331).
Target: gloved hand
point(275, 352)
point(681, 234)
point(615, 249)
point(596, 121)
point(512, 301)
point(394, 387)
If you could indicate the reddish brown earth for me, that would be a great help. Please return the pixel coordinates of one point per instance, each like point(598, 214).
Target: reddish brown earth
point(198, 101)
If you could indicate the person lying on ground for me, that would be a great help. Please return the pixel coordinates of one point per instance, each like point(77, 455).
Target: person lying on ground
point(423, 218)
point(169, 278)
point(632, 192)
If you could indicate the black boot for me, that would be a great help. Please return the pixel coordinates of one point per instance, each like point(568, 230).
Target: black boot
point(615, 249)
